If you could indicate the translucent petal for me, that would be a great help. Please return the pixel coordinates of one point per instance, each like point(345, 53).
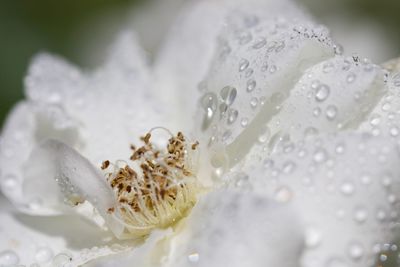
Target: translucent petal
point(253, 67)
point(186, 56)
point(229, 228)
point(50, 240)
point(345, 188)
point(335, 95)
point(28, 125)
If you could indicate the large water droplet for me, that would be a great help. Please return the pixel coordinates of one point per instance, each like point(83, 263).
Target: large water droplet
point(8, 257)
point(209, 103)
point(322, 93)
point(228, 94)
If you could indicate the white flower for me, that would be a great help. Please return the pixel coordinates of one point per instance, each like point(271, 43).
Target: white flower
point(297, 162)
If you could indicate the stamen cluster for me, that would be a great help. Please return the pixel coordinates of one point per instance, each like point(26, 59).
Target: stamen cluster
point(157, 188)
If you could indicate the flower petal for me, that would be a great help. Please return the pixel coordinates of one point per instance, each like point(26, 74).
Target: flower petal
point(186, 57)
point(28, 125)
point(96, 113)
point(237, 229)
point(253, 67)
point(332, 96)
point(346, 190)
point(44, 240)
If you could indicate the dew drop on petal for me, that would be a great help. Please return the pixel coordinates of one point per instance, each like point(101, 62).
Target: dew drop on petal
point(243, 64)
point(228, 94)
point(331, 112)
point(8, 257)
point(251, 85)
point(244, 122)
point(9, 183)
point(320, 156)
point(232, 116)
point(350, 78)
point(43, 255)
point(360, 215)
point(194, 257)
point(355, 251)
point(322, 93)
point(283, 194)
point(347, 188)
point(261, 42)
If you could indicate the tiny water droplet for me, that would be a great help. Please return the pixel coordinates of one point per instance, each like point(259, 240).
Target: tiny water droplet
point(243, 64)
point(251, 85)
point(194, 257)
point(320, 156)
point(347, 188)
point(244, 122)
point(331, 112)
point(350, 78)
point(260, 42)
point(232, 116)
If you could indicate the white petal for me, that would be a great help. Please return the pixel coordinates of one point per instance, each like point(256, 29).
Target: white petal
point(334, 95)
point(346, 190)
point(253, 67)
point(60, 174)
point(27, 240)
point(228, 228)
point(384, 118)
point(186, 57)
point(28, 125)
point(99, 114)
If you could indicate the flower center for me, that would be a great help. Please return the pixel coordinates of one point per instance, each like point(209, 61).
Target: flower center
point(157, 188)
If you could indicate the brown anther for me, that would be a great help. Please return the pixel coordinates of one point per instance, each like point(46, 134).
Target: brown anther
point(146, 138)
point(128, 188)
point(195, 145)
point(111, 210)
point(105, 164)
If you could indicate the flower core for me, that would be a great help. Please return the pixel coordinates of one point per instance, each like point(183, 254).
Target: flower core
point(157, 188)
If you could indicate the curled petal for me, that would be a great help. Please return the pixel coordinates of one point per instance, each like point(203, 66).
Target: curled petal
point(254, 67)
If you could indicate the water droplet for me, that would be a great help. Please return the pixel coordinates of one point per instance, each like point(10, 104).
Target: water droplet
point(194, 257)
point(313, 238)
point(331, 112)
point(322, 93)
point(347, 188)
point(61, 259)
point(253, 102)
point(350, 78)
point(228, 94)
point(288, 167)
point(43, 255)
point(339, 149)
point(320, 156)
point(232, 115)
point(244, 122)
point(317, 112)
point(251, 85)
point(338, 49)
point(375, 120)
point(8, 257)
point(273, 69)
point(356, 251)
point(360, 215)
point(9, 183)
point(394, 131)
point(260, 42)
point(243, 64)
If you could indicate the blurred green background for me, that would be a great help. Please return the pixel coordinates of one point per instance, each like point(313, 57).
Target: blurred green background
point(70, 27)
